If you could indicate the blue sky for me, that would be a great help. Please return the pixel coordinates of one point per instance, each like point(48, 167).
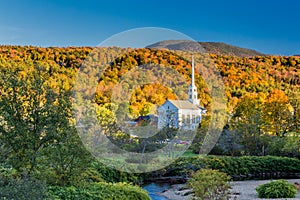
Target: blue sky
point(267, 26)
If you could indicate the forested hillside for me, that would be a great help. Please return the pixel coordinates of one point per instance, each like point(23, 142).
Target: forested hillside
point(263, 86)
point(260, 74)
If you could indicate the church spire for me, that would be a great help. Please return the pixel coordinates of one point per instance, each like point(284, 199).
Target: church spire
point(193, 94)
point(193, 71)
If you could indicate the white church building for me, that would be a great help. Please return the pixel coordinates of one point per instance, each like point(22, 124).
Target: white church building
point(182, 114)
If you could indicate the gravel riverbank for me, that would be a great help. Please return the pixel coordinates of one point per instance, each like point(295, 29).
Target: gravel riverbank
point(244, 190)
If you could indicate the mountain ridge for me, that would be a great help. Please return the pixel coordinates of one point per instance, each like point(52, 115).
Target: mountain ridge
point(218, 48)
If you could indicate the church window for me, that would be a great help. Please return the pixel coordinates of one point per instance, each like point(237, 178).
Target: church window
point(183, 118)
point(193, 119)
point(188, 120)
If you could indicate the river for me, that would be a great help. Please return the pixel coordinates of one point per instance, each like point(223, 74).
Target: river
point(155, 188)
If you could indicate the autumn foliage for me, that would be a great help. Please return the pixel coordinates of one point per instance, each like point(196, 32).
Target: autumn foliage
point(241, 75)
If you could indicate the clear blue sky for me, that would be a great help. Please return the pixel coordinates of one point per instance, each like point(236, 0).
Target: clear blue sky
point(268, 26)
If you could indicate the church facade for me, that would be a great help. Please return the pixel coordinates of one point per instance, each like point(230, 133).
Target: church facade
point(182, 114)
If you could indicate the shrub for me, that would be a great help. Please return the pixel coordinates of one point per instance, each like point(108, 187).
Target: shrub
point(210, 184)
point(246, 166)
point(22, 189)
point(253, 164)
point(112, 175)
point(277, 189)
point(13, 186)
point(99, 191)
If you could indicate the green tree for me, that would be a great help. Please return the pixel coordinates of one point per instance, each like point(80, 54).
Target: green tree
point(66, 159)
point(30, 115)
point(200, 135)
point(247, 121)
point(37, 125)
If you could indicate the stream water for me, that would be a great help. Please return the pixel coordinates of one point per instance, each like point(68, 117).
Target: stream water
point(155, 188)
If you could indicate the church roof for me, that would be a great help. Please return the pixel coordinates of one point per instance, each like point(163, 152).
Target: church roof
point(184, 104)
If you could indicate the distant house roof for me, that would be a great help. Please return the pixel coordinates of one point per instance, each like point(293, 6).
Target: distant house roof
point(184, 104)
point(152, 119)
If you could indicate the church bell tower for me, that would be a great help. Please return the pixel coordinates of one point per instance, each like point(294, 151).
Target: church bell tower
point(193, 94)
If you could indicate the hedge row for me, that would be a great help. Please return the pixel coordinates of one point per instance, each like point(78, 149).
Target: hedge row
point(98, 191)
point(14, 187)
point(245, 167)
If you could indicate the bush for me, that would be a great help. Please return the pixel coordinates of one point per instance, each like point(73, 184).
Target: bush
point(22, 189)
point(246, 166)
point(285, 146)
point(277, 189)
point(112, 175)
point(254, 166)
point(99, 191)
point(210, 184)
point(17, 186)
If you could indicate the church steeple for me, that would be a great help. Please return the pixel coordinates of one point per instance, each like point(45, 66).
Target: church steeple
point(193, 94)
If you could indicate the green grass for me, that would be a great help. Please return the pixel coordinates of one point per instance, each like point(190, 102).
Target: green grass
point(189, 153)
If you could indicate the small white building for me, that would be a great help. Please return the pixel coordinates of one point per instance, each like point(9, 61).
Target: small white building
point(182, 114)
